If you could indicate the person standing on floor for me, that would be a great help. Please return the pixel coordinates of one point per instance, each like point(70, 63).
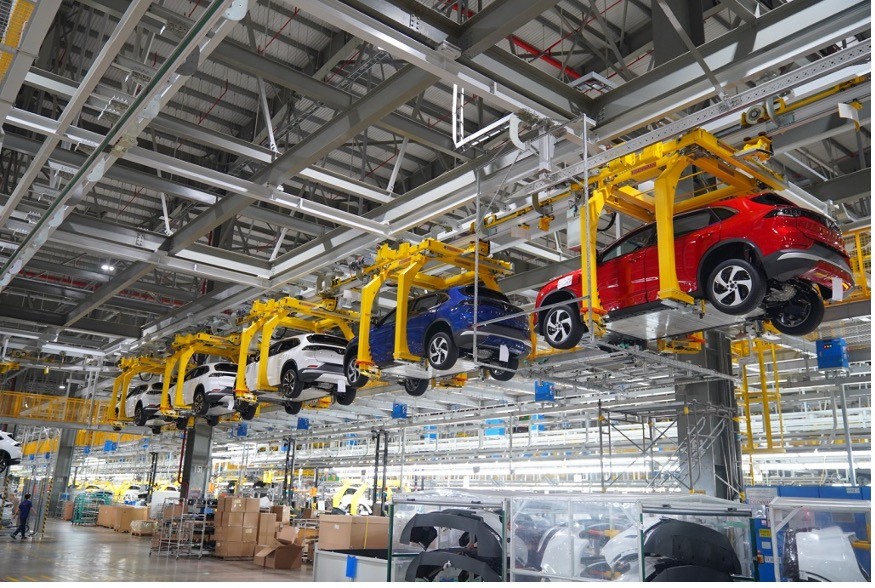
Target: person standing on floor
point(23, 512)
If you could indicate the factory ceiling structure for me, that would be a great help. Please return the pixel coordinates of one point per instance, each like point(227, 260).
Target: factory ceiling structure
point(165, 164)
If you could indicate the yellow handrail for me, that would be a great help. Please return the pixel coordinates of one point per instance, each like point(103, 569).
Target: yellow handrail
point(57, 409)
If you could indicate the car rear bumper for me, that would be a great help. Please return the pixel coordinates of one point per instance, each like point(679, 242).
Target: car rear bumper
point(818, 264)
point(327, 372)
point(493, 336)
point(15, 461)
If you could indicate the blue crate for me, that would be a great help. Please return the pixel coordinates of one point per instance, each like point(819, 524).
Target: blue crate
point(495, 431)
point(832, 354)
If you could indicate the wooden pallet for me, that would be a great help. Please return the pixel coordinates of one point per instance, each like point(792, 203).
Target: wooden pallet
point(232, 557)
point(142, 533)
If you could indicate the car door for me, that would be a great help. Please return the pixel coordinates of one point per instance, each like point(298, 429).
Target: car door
point(131, 402)
point(622, 275)
point(419, 316)
point(383, 339)
point(277, 357)
point(189, 383)
point(694, 233)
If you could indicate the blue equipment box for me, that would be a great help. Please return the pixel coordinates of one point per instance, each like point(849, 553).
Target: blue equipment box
point(832, 354)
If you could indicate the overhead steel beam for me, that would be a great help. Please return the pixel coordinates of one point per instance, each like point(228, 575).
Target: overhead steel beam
point(818, 129)
point(848, 187)
point(71, 294)
point(735, 57)
point(497, 21)
point(53, 319)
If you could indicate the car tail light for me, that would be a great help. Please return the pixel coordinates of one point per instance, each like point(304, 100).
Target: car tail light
point(787, 211)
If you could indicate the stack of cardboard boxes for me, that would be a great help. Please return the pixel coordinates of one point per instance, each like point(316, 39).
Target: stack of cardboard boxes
point(236, 523)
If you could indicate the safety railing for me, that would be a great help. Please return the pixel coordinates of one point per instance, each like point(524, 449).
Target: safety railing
point(55, 409)
point(858, 243)
point(14, 15)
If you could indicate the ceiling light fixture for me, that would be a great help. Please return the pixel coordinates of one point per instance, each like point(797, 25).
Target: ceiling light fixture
point(107, 267)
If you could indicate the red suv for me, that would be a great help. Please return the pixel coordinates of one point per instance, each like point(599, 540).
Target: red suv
point(751, 252)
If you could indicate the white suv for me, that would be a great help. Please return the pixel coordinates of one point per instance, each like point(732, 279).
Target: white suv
point(209, 390)
point(10, 451)
point(304, 367)
point(142, 402)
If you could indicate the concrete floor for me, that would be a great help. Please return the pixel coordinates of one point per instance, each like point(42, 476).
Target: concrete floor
point(94, 554)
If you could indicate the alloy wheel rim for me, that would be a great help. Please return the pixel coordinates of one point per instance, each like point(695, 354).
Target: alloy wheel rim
point(732, 286)
point(352, 372)
point(558, 325)
point(198, 402)
point(288, 382)
point(439, 350)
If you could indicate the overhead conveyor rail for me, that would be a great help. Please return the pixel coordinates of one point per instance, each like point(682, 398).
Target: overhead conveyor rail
point(406, 266)
point(266, 316)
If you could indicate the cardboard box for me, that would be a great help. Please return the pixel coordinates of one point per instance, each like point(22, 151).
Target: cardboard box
point(266, 520)
point(233, 504)
point(267, 535)
point(280, 557)
point(258, 559)
point(305, 534)
point(218, 518)
point(287, 535)
point(250, 534)
point(234, 549)
point(252, 505)
point(232, 534)
point(353, 532)
point(68, 511)
point(172, 511)
point(127, 514)
point(283, 513)
point(306, 513)
point(233, 519)
point(250, 519)
point(106, 515)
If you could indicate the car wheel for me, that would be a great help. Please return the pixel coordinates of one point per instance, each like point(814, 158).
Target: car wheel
point(4, 461)
point(354, 377)
point(293, 407)
point(156, 430)
point(415, 386)
point(212, 420)
point(247, 411)
point(504, 375)
point(735, 287)
point(442, 351)
point(182, 423)
point(199, 403)
point(140, 415)
point(801, 315)
point(346, 398)
point(562, 327)
point(290, 384)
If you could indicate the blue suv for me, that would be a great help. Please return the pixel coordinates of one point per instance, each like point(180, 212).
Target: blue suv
point(440, 328)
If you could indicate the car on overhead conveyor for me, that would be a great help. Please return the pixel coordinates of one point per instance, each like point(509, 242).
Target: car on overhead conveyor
point(142, 402)
point(751, 255)
point(440, 328)
point(10, 451)
point(304, 367)
point(209, 390)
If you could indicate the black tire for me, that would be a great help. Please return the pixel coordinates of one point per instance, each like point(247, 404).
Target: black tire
point(140, 415)
point(735, 287)
point(247, 411)
point(441, 351)
point(199, 403)
point(181, 423)
point(293, 407)
point(290, 384)
point(505, 375)
point(800, 315)
point(346, 398)
point(561, 327)
point(4, 461)
point(415, 386)
point(156, 430)
point(354, 378)
point(212, 420)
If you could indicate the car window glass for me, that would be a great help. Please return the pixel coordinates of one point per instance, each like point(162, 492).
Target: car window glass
point(192, 373)
point(689, 223)
point(422, 304)
point(771, 200)
point(135, 391)
point(722, 213)
point(634, 242)
point(224, 367)
point(388, 319)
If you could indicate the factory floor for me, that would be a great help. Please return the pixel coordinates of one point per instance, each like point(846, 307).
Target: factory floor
point(94, 554)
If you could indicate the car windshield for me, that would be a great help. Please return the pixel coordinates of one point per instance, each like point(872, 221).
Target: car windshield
point(327, 340)
point(225, 367)
point(485, 293)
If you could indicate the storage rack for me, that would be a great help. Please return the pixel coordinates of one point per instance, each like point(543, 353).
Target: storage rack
point(182, 533)
point(86, 507)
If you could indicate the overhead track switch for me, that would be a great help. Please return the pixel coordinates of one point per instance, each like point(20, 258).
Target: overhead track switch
point(405, 266)
point(265, 317)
